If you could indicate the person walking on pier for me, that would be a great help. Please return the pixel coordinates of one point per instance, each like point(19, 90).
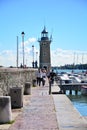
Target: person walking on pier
point(38, 76)
point(51, 76)
point(43, 76)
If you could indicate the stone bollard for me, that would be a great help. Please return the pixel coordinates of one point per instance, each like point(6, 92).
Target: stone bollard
point(27, 88)
point(34, 83)
point(5, 109)
point(16, 94)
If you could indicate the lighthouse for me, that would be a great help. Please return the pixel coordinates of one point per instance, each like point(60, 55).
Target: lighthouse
point(45, 56)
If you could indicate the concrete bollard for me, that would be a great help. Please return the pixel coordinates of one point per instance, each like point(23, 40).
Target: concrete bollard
point(16, 94)
point(27, 88)
point(34, 82)
point(5, 109)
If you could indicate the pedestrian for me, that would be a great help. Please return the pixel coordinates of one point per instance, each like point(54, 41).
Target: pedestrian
point(38, 77)
point(51, 76)
point(43, 76)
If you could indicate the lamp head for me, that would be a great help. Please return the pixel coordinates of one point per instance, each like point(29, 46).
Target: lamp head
point(22, 33)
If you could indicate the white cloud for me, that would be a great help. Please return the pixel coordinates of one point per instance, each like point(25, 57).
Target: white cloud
point(7, 58)
point(62, 57)
point(29, 41)
point(58, 56)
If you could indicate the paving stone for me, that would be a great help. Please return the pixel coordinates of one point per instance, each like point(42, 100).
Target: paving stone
point(39, 114)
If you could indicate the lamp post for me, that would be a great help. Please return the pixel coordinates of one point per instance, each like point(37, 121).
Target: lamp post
point(82, 61)
point(36, 55)
point(33, 55)
point(17, 52)
point(23, 46)
point(36, 60)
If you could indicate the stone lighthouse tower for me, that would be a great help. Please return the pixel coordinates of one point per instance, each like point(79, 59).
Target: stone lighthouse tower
point(44, 58)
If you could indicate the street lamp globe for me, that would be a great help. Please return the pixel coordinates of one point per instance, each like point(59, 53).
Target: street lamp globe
point(22, 33)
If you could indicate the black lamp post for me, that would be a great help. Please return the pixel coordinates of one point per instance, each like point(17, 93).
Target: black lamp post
point(33, 55)
point(17, 52)
point(36, 60)
point(23, 46)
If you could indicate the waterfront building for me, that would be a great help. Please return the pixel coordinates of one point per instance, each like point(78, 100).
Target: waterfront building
point(45, 56)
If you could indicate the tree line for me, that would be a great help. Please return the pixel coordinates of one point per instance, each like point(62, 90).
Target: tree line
point(72, 66)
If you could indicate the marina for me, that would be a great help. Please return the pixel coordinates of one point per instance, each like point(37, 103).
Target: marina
point(72, 81)
point(76, 92)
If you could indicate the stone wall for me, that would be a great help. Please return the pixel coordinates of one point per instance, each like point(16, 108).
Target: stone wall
point(12, 77)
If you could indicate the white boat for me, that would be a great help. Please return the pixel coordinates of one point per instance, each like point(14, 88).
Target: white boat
point(75, 79)
point(69, 78)
point(65, 79)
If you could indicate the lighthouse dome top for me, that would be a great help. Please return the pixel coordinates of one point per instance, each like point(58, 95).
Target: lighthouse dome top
point(44, 34)
point(44, 30)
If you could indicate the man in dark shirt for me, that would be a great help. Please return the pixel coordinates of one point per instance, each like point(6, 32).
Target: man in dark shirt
point(51, 76)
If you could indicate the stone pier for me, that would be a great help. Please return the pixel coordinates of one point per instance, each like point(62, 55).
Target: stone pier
point(12, 77)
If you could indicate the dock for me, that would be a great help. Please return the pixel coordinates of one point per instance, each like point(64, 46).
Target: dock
point(71, 86)
point(67, 116)
point(42, 111)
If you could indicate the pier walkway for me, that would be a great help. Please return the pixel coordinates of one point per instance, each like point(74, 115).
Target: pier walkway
point(42, 111)
point(39, 113)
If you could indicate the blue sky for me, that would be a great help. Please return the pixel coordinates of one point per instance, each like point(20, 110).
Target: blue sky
point(66, 20)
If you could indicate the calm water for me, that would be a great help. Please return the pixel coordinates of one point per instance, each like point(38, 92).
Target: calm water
point(68, 70)
point(79, 101)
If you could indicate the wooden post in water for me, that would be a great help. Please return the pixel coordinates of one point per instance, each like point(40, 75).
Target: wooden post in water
point(76, 91)
point(70, 91)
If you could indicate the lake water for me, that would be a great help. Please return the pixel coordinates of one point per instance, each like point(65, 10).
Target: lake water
point(80, 102)
point(68, 70)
